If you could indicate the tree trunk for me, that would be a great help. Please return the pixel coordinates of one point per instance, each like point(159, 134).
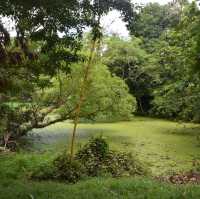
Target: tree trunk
point(82, 96)
point(141, 108)
point(60, 83)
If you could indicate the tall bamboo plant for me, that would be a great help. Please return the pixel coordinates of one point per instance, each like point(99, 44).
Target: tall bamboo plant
point(94, 45)
point(98, 9)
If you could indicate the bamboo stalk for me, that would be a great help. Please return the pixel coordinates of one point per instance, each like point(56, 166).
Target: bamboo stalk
point(82, 96)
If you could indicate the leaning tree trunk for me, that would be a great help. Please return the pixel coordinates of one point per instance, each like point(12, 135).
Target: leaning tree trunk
point(82, 95)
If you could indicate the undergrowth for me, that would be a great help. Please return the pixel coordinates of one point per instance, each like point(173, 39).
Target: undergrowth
point(94, 159)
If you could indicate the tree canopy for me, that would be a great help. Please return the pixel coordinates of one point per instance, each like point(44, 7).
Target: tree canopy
point(47, 65)
point(37, 66)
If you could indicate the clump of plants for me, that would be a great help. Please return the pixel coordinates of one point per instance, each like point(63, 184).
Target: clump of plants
point(67, 169)
point(98, 159)
point(45, 171)
point(62, 168)
point(94, 159)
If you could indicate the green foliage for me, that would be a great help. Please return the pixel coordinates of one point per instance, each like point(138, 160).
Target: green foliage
point(36, 57)
point(129, 61)
point(99, 160)
point(176, 95)
point(92, 156)
point(97, 147)
point(94, 159)
point(62, 168)
point(106, 97)
point(41, 71)
point(45, 171)
point(153, 19)
point(68, 170)
point(124, 164)
point(52, 99)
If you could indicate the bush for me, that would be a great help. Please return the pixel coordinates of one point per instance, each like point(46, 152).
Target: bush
point(45, 171)
point(68, 170)
point(97, 147)
point(123, 164)
point(92, 155)
point(98, 160)
point(94, 159)
point(62, 169)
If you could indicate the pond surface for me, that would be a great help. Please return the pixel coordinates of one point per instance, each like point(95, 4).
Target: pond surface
point(164, 145)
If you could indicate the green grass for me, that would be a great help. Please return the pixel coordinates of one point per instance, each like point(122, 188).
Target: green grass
point(165, 146)
point(98, 188)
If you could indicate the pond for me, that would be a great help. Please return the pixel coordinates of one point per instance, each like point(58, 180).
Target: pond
point(164, 146)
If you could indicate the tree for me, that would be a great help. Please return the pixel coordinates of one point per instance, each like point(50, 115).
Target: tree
point(99, 9)
point(106, 97)
point(177, 93)
point(153, 19)
point(128, 60)
point(47, 42)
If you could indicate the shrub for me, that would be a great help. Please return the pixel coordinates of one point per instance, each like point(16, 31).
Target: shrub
point(98, 160)
point(123, 164)
point(68, 170)
point(62, 169)
point(94, 159)
point(97, 147)
point(45, 171)
point(92, 156)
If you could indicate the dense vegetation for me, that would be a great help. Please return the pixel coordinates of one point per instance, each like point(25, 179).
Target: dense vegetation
point(160, 63)
point(53, 70)
point(46, 72)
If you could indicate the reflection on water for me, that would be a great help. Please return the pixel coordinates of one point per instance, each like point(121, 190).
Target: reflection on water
point(56, 138)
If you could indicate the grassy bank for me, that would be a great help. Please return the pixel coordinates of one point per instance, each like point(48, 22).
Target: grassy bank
point(165, 146)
